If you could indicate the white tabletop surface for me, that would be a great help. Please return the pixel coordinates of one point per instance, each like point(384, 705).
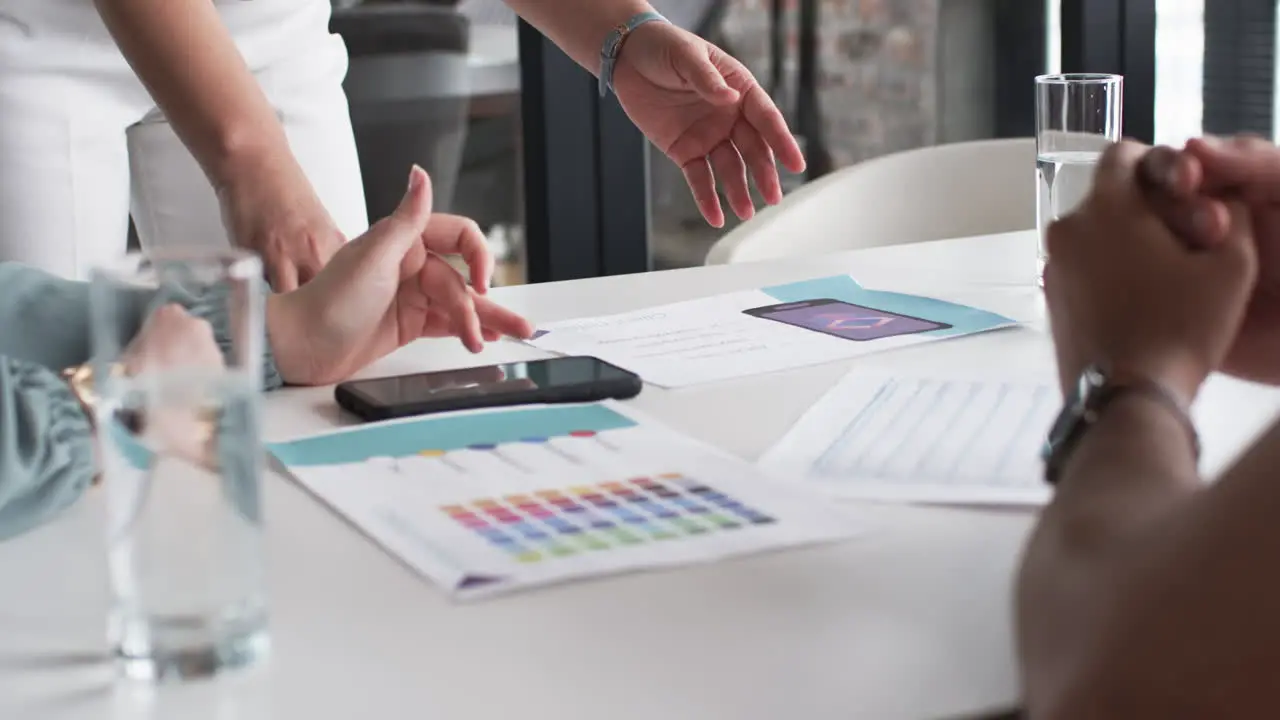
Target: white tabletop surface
point(910, 621)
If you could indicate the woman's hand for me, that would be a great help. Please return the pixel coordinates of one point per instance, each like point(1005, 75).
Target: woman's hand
point(386, 289)
point(708, 114)
point(1124, 292)
point(1188, 189)
point(271, 208)
point(171, 338)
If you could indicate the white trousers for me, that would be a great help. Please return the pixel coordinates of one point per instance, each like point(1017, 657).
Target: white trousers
point(83, 145)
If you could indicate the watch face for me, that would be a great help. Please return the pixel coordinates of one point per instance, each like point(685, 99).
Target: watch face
point(1090, 381)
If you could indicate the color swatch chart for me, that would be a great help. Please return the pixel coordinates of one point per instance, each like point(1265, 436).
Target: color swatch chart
point(551, 524)
point(552, 494)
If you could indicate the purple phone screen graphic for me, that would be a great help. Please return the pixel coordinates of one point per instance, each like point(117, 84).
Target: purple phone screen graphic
point(852, 322)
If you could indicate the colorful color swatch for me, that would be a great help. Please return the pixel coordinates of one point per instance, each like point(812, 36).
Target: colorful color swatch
point(548, 524)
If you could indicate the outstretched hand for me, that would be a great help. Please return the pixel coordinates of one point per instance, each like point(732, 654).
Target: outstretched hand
point(386, 289)
point(706, 111)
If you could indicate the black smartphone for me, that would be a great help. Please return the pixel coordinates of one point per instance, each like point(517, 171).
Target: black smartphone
point(845, 320)
point(556, 380)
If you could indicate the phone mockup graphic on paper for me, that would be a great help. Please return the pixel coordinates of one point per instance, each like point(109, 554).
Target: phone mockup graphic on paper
point(846, 320)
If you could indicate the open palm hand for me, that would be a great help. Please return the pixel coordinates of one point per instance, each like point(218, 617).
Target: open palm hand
point(708, 114)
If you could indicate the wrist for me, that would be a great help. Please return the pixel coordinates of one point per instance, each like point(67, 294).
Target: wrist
point(282, 319)
point(613, 16)
point(80, 381)
point(1139, 435)
point(1179, 374)
point(611, 52)
point(245, 154)
point(1096, 396)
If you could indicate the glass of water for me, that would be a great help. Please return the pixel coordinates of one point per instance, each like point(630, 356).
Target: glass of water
point(1077, 117)
point(177, 431)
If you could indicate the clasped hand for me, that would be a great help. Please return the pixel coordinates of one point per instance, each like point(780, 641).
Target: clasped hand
point(1171, 268)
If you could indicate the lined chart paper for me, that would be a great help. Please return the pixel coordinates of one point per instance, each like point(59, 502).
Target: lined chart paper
point(923, 439)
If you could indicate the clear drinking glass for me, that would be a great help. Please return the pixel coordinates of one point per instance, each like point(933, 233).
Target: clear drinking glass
point(1077, 117)
point(182, 462)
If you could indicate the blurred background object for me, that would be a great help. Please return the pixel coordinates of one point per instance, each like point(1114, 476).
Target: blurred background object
point(409, 90)
point(439, 82)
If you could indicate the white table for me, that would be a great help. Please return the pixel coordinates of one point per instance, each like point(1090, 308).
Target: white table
point(911, 621)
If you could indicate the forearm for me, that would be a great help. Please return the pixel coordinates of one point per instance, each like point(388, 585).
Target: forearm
point(579, 27)
point(1132, 468)
point(187, 60)
point(45, 319)
point(1257, 353)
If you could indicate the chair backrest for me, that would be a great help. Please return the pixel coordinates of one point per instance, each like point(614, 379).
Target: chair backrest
point(487, 12)
point(972, 188)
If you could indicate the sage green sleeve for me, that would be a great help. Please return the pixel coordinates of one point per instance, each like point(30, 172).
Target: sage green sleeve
point(46, 451)
point(46, 448)
point(45, 319)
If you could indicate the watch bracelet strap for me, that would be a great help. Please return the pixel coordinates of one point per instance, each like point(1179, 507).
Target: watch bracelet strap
point(1152, 391)
point(612, 47)
point(1162, 395)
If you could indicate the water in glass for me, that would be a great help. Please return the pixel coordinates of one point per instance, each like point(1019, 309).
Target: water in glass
point(1063, 181)
point(185, 535)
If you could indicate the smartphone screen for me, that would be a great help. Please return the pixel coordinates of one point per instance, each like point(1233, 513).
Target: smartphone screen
point(846, 320)
point(491, 380)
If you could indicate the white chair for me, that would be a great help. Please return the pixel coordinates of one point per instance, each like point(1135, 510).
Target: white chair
point(971, 188)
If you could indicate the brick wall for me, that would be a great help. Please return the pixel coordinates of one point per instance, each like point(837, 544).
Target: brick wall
point(878, 79)
point(894, 75)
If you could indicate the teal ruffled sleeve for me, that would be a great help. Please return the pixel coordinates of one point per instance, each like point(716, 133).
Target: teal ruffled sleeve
point(46, 449)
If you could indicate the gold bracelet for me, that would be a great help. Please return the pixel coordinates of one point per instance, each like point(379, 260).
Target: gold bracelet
point(79, 378)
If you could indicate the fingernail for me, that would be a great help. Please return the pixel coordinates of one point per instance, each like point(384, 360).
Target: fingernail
point(415, 177)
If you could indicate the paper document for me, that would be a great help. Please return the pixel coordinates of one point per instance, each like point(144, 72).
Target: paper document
point(493, 501)
point(760, 331)
point(921, 439)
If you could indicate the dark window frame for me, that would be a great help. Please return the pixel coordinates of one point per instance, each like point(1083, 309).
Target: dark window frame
point(1116, 36)
point(1021, 36)
point(586, 172)
point(1240, 67)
